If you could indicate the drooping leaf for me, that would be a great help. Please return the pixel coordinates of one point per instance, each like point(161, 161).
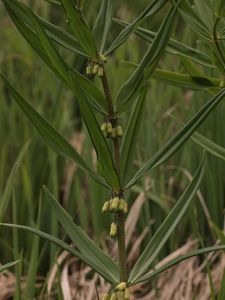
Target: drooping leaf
point(8, 265)
point(130, 137)
point(179, 138)
point(85, 245)
point(144, 263)
point(181, 258)
point(85, 258)
point(52, 137)
point(80, 28)
point(151, 9)
point(146, 67)
point(103, 23)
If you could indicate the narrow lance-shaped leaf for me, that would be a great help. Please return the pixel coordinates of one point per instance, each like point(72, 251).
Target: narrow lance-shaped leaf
point(159, 239)
point(81, 240)
point(80, 28)
point(105, 162)
point(144, 70)
point(130, 137)
point(173, 46)
point(103, 23)
point(52, 137)
point(9, 265)
point(54, 61)
point(86, 259)
point(180, 259)
point(207, 144)
point(151, 9)
point(55, 32)
point(179, 138)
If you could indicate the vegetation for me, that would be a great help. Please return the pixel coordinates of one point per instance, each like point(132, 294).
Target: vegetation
point(118, 100)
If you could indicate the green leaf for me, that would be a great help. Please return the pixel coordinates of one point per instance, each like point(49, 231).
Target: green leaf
point(56, 33)
point(85, 245)
point(179, 138)
point(208, 145)
point(130, 137)
point(159, 239)
point(5, 198)
point(80, 28)
point(86, 259)
point(103, 24)
point(52, 137)
point(8, 265)
point(46, 50)
point(192, 18)
point(146, 67)
point(173, 46)
point(183, 80)
point(105, 161)
point(150, 10)
point(180, 259)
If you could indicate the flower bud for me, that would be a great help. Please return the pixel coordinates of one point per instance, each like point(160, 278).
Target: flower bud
point(127, 294)
point(114, 133)
point(103, 127)
point(119, 131)
point(89, 70)
point(103, 58)
point(121, 286)
point(113, 296)
point(95, 69)
point(105, 206)
point(113, 229)
point(120, 295)
point(109, 127)
point(100, 72)
point(125, 207)
point(114, 204)
point(106, 297)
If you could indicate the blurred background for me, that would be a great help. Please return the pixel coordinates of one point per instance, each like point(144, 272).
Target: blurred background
point(81, 196)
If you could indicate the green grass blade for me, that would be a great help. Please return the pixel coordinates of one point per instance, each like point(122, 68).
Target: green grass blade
point(80, 28)
point(5, 198)
point(81, 240)
point(130, 137)
point(159, 239)
point(150, 10)
point(66, 247)
point(105, 162)
point(146, 67)
point(173, 46)
point(180, 259)
point(179, 138)
point(9, 265)
point(103, 24)
point(51, 136)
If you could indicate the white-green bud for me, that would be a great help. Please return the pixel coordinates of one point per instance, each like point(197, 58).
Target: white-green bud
point(89, 70)
point(109, 127)
point(105, 206)
point(120, 295)
point(119, 131)
point(95, 69)
point(113, 229)
point(106, 297)
point(103, 58)
point(100, 72)
point(113, 296)
point(121, 286)
point(103, 127)
point(114, 203)
point(127, 294)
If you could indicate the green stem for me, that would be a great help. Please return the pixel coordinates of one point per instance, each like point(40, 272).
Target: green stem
point(119, 217)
